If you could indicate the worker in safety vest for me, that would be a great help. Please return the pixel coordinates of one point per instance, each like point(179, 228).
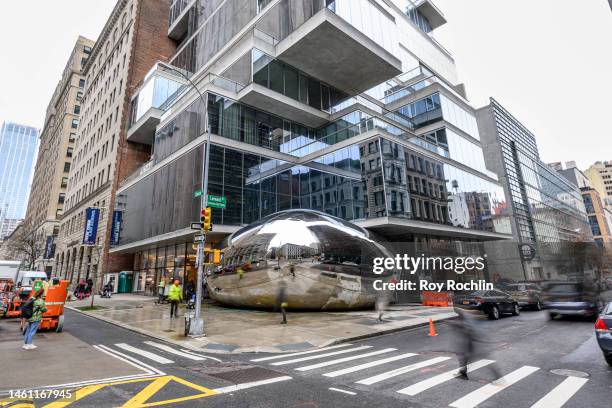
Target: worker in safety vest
point(175, 295)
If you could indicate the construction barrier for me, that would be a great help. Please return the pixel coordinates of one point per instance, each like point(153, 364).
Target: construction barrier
point(429, 298)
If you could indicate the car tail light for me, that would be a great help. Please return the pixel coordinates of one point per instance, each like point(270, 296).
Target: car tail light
point(600, 326)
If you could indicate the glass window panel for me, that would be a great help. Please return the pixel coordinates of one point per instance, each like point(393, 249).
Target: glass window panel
point(303, 85)
point(292, 83)
point(314, 93)
point(276, 76)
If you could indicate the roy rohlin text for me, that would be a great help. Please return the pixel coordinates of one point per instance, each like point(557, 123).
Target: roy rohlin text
point(449, 285)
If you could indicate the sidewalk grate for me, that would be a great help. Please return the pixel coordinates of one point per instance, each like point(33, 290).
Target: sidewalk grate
point(248, 375)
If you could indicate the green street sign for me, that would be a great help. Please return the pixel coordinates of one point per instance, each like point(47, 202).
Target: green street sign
point(197, 193)
point(217, 201)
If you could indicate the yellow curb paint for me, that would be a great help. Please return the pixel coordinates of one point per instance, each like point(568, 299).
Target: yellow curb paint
point(139, 400)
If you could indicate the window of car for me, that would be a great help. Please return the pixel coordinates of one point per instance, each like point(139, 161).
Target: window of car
point(563, 288)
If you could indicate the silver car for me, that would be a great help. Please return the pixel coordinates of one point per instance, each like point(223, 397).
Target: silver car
point(603, 332)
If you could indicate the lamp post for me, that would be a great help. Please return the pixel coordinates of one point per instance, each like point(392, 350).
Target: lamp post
point(196, 326)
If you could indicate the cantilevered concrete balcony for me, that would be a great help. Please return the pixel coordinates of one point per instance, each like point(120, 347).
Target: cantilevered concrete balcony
point(143, 131)
point(281, 105)
point(330, 49)
point(178, 19)
point(433, 15)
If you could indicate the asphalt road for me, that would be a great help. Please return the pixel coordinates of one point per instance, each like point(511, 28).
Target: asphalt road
point(370, 373)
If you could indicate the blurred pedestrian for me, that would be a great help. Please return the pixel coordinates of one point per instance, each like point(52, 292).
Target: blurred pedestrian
point(175, 296)
point(38, 308)
point(281, 302)
point(470, 341)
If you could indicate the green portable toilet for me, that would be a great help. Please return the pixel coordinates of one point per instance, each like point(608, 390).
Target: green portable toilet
point(125, 282)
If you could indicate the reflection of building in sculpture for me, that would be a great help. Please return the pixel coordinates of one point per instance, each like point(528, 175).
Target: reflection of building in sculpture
point(292, 251)
point(318, 261)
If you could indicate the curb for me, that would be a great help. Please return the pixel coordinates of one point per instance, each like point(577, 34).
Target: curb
point(388, 331)
point(200, 350)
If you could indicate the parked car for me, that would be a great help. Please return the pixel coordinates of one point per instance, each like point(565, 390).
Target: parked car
point(566, 298)
point(493, 303)
point(603, 332)
point(527, 294)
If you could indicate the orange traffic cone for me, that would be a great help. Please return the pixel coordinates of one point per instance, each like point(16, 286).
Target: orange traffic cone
point(432, 328)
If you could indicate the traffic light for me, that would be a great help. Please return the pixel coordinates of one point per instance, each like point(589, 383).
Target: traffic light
point(205, 219)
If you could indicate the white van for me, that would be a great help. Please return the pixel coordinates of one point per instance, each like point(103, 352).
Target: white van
point(27, 278)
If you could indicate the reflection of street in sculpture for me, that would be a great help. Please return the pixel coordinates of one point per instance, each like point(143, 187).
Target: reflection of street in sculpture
point(310, 259)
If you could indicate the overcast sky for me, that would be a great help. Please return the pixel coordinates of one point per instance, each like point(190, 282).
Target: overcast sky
point(548, 61)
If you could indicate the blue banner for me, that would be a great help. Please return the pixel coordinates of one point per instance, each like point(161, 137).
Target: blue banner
point(50, 247)
point(92, 215)
point(116, 227)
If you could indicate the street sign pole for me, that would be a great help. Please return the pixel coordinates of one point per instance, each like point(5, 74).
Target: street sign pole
point(196, 326)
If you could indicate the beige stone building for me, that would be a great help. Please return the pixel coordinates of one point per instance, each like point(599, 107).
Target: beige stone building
point(600, 177)
point(133, 38)
point(55, 154)
point(598, 220)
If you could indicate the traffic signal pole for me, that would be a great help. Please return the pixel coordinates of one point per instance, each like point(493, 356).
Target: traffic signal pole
point(196, 327)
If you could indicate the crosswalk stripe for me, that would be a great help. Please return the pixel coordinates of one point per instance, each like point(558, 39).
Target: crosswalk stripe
point(344, 359)
point(333, 353)
point(368, 365)
point(561, 393)
point(144, 353)
point(300, 353)
point(173, 351)
point(401, 370)
point(439, 379)
point(486, 391)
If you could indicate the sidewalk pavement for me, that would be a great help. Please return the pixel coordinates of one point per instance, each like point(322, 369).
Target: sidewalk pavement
point(230, 330)
point(59, 359)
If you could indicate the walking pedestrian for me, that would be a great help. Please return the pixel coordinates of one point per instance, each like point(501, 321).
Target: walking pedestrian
point(38, 308)
point(470, 341)
point(175, 295)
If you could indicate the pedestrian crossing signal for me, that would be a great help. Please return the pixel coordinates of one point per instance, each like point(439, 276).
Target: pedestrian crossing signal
point(205, 219)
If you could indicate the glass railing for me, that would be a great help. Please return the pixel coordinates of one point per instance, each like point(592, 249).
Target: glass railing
point(429, 146)
point(367, 123)
point(408, 90)
point(176, 9)
point(226, 83)
point(262, 35)
point(395, 116)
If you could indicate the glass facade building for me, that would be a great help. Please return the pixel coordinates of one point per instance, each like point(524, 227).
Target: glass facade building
point(18, 149)
point(321, 105)
point(548, 212)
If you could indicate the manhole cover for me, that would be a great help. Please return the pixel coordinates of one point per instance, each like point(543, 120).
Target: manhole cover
point(569, 373)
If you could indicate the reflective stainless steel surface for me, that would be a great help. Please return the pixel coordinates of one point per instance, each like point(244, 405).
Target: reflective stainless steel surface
point(308, 259)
